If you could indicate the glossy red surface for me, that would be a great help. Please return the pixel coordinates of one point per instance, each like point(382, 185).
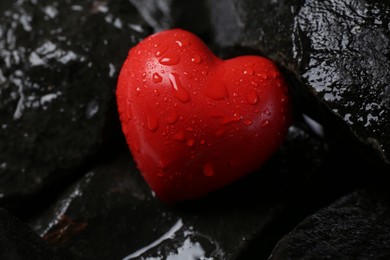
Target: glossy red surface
point(195, 123)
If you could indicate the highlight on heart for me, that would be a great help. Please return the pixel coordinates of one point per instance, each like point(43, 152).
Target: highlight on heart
point(194, 122)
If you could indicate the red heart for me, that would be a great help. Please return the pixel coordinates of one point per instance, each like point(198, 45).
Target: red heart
point(194, 122)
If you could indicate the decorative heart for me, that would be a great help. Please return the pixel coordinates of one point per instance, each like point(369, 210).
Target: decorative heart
point(194, 122)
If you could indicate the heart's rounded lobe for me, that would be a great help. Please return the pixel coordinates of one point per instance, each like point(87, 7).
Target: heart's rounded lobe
point(195, 123)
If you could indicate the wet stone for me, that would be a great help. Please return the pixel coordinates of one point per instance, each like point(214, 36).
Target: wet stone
point(18, 241)
point(356, 226)
point(316, 177)
point(191, 15)
point(114, 210)
point(112, 213)
point(334, 53)
point(58, 66)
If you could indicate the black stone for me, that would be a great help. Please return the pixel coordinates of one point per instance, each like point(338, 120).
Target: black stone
point(58, 66)
point(334, 53)
point(357, 226)
point(317, 171)
point(18, 241)
point(112, 213)
point(192, 15)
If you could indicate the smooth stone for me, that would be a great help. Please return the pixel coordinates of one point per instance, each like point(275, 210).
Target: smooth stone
point(357, 226)
point(191, 15)
point(19, 241)
point(58, 66)
point(112, 213)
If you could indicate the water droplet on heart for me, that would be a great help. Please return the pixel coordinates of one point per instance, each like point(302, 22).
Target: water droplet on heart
point(136, 146)
point(235, 94)
point(188, 75)
point(202, 142)
point(156, 93)
point(263, 75)
point(180, 93)
point(216, 89)
point(172, 118)
point(248, 122)
point(274, 74)
point(248, 71)
point(170, 60)
point(164, 164)
point(161, 50)
point(179, 43)
point(227, 120)
point(129, 113)
point(137, 91)
point(179, 136)
point(267, 111)
point(208, 170)
point(252, 97)
point(160, 174)
point(185, 42)
point(265, 123)
point(190, 142)
point(153, 123)
point(196, 59)
point(156, 78)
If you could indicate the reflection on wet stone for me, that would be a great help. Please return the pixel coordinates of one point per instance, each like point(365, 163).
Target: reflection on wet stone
point(58, 67)
point(115, 211)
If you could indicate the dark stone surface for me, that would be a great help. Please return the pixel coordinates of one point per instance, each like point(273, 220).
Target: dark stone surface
point(336, 56)
point(112, 213)
point(357, 226)
point(18, 241)
point(192, 15)
point(58, 66)
point(317, 176)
